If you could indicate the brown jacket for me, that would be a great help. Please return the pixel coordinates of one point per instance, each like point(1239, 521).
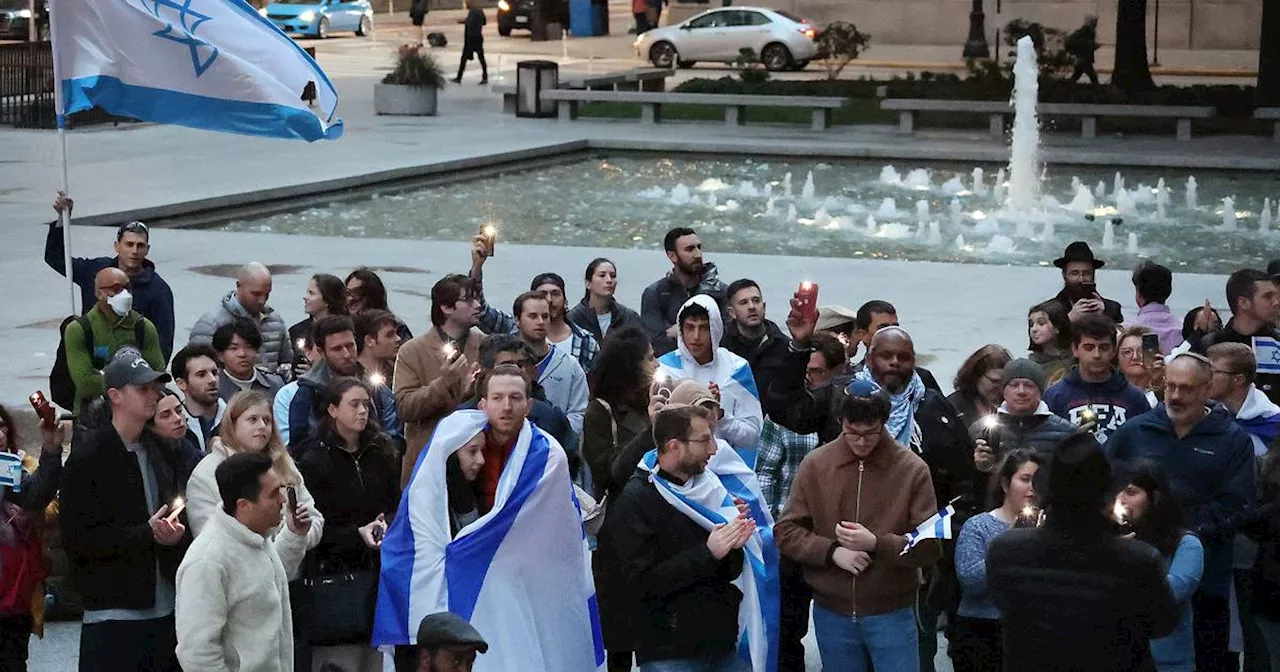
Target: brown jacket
point(423, 395)
point(890, 493)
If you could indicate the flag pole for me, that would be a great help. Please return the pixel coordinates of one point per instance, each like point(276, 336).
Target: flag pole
point(59, 106)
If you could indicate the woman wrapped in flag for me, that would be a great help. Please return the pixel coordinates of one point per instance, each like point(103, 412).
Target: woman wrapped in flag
point(696, 542)
point(514, 561)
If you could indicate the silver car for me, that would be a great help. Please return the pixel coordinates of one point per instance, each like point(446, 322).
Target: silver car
point(782, 41)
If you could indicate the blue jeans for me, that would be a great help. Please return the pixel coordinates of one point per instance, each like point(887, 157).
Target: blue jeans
point(890, 639)
point(729, 663)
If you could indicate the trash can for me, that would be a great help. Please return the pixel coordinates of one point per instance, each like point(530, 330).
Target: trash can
point(588, 18)
point(532, 78)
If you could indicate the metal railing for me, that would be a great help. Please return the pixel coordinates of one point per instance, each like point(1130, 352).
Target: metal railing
point(26, 89)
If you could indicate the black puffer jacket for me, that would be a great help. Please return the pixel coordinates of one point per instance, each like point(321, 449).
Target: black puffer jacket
point(584, 316)
point(764, 356)
point(1041, 431)
point(1077, 597)
point(687, 606)
point(350, 490)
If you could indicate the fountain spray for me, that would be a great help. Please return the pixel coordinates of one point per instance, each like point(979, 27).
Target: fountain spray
point(1024, 185)
point(1109, 235)
point(1229, 214)
point(1264, 219)
point(1191, 193)
point(806, 192)
point(979, 186)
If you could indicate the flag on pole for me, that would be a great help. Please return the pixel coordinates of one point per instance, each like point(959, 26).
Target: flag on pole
point(938, 526)
point(216, 65)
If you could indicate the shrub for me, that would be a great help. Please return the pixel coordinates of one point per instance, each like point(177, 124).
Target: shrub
point(838, 44)
point(1050, 44)
point(415, 67)
point(749, 68)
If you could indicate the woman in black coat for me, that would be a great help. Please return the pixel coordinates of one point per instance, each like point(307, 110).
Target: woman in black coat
point(598, 312)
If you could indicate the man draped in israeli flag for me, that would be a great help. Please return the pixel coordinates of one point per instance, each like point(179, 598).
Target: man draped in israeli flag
point(700, 357)
point(520, 573)
point(719, 490)
point(212, 64)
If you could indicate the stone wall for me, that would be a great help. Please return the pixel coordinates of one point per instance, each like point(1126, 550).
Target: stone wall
point(1184, 24)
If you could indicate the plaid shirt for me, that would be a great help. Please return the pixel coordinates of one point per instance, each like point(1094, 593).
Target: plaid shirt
point(582, 345)
point(781, 451)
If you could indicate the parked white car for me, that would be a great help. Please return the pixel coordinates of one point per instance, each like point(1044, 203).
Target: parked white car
point(782, 41)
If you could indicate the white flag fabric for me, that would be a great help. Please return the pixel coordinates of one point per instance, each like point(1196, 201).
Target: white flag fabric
point(707, 499)
point(1267, 351)
point(216, 65)
point(937, 526)
point(521, 573)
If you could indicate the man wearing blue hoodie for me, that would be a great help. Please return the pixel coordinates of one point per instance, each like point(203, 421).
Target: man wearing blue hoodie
point(1209, 461)
point(1095, 392)
point(559, 374)
point(152, 297)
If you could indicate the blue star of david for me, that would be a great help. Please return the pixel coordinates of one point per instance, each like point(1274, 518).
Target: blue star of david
point(190, 21)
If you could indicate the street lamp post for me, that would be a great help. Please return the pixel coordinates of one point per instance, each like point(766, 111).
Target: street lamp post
point(976, 45)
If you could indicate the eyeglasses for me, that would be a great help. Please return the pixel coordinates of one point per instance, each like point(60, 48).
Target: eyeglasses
point(698, 441)
point(1130, 353)
point(865, 437)
point(994, 380)
point(133, 227)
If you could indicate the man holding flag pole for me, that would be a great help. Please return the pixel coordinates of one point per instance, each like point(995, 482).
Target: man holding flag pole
point(216, 65)
point(849, 522)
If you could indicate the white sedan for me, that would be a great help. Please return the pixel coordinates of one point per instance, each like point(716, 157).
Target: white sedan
point(782, 41)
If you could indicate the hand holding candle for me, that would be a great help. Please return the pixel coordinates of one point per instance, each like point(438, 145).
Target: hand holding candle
point(176, 509)
point(490, 234)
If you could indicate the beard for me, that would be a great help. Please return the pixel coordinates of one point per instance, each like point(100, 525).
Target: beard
point(692, 268)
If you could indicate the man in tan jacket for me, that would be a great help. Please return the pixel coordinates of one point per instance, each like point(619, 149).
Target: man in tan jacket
point(435, 371)
point(852, 504)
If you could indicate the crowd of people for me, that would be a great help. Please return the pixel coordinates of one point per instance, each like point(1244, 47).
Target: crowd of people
point(683, 487)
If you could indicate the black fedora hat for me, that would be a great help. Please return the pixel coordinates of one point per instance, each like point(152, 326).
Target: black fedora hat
point(1078, 251)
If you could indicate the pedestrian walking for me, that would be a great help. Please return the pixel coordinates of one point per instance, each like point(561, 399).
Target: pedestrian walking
point(473, 43)
point(1082, 44)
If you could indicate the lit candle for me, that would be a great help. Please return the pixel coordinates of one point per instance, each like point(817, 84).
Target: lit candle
point(489, 232)
point(376, 379)
point(449, 350)
point(176, 508)
point(302, 344)
point(990, 422)
point(1120, 513)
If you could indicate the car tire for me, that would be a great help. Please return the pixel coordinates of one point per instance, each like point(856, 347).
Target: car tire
point(504, 29)
point(685, 65)
point(322, 28)
point(366, 26)
point(776, 57)
point(663, 55)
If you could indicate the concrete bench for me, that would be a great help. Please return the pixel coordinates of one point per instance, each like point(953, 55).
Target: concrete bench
point(1088, 113)
point(639, 79)
point(508, 92)
point(1271, 113)
point(735, 105)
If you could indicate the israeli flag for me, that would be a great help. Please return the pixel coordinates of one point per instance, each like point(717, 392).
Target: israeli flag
point(937, 526)
point(521, 573)
point(1267, 350)
point(216, 65)
point(707, 500)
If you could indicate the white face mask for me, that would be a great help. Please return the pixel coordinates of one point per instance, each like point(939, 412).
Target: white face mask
point(121, 303)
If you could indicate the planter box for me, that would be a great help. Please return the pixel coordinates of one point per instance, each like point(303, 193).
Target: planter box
point(395, 99)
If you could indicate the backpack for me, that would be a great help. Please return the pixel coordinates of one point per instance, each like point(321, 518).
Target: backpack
point(437, 40)
point(62, 389)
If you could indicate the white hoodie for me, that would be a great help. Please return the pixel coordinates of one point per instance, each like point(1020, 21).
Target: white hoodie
point(565, 385)
point(743, 417)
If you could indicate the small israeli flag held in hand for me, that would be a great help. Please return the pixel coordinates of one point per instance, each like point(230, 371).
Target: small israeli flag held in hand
point(1267, 350)
point(217, 65)
point(937, 526)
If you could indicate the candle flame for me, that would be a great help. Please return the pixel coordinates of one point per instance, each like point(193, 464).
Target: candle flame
point(449, 350)
point(489, 231)
point(806, 285)
point(1120, 513)
point(1029, 512)
point(302, 344)
point(376, 379)
point(990, 422)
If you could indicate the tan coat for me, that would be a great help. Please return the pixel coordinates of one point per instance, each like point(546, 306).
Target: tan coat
point(423, 395)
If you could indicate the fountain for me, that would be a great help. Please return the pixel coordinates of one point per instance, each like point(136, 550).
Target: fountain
point(792, 215)
point(1191, 193)
point(871, 225)
point(712, 184)
point(1124, 203)
point(956, 211)
point(821, 217)
point(1024, 187)
point(1264, 219)
point(1228, 214)
point(960, 242)
point(769, 208)
point(1133, 243)
point(979, 186)
point(1001, 244)
point(922, 210)
point(953, 186)
point(1143, 195)
point(806, 192)
point(711, 200)
point(732, 206)
point(1118, 185)
point(748, 189)
point(1109, 235)
point(998, 191)
point(1100, 191)
point(786, 186)
point(935, 234)
point(888, 208)
point(1022, 229)
point(889, 175)
point(1047, 234)
point(1082, 202)
point(1162, 193)
point(917, 179)
point(680, 194)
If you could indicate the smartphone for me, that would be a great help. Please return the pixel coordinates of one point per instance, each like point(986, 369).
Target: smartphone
point(1089, 288)
point(490, 234)
point(378, 533)
point(292, 494)
point(808, 297)
point(48, 417)
point(1151, 343)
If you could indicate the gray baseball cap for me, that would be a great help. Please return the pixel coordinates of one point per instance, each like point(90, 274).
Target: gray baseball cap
point(131, 369)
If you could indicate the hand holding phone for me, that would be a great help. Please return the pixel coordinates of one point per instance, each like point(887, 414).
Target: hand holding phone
point(291, 493)
point(807, 297)
point(48, 416)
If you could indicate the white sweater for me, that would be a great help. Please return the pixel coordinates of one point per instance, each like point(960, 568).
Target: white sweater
point(203, 501)
point(233, 603)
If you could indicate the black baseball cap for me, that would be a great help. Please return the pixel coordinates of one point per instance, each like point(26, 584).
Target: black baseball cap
point(131, 369)
point(449, 629)
point(547, 279)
